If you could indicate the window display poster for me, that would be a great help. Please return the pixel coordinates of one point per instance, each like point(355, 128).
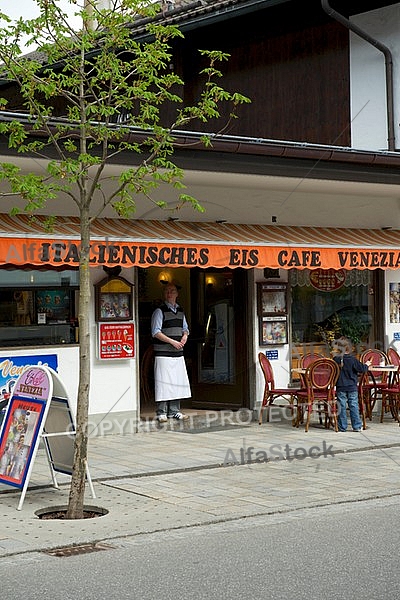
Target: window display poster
point(18, 439)
point(11, 367)
point(55, 304)
point(115, 306)
point(394, 302)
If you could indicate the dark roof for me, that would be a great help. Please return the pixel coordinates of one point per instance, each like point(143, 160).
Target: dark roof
point(184, 12)
point(189, 14)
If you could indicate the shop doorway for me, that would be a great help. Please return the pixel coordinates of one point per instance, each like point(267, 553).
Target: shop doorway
point(215, 303)
point(218, 346)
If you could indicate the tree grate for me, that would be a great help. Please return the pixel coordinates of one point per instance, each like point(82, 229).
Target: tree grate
point(77, 550)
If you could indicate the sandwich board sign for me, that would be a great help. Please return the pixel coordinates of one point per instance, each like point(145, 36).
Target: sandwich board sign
point(38, 410)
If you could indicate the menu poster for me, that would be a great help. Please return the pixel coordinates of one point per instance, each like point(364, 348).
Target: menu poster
point(273, 330)
point(116, 341)
point(272, 298)
point(18, 439)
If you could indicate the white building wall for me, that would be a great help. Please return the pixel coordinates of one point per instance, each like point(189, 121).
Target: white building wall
point(281, 364)
point(114, 389)
point(367, 79)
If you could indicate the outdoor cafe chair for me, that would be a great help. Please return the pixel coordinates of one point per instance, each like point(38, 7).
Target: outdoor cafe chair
point(305, 361)
point(272, 393)
point(320, 378)
point(375, 383)
point(363, 396)
point(393, 356)
point(391, 393)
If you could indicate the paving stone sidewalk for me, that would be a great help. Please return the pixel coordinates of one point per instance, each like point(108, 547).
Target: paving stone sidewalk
point(170, 478)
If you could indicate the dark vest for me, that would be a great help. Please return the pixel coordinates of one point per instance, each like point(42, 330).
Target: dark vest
point(172, 326)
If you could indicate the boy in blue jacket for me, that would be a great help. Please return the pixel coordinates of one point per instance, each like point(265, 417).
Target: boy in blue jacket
point(347, 384)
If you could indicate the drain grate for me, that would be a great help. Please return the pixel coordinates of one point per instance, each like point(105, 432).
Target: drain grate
point(77, 550)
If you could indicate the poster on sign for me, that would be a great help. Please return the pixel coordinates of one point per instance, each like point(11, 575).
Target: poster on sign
point(273, 330)
point(23, 424)
point(18, 440)
point(38, 410)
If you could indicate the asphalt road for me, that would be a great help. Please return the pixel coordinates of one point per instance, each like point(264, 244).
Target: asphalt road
point(343, 551)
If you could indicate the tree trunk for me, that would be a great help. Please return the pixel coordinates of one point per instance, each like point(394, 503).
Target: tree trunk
point(77, 490)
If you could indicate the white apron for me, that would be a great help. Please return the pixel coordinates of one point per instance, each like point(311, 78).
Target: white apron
point(171, 380)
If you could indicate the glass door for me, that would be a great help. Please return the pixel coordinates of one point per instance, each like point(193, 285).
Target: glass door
point(218, 338)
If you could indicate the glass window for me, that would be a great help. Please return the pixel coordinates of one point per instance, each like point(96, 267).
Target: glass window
point(38, 307)
point(33, 277)
point(320, 316)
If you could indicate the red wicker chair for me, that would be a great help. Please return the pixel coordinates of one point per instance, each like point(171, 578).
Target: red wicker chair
point(305, 362)
point(320, 378)
point(375, 383)
point(391, 393)
point(271, 393)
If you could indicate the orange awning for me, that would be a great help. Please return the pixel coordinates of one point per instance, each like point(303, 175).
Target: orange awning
point(174, 244)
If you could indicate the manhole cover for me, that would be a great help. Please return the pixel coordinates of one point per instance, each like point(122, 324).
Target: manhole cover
point(75, 550)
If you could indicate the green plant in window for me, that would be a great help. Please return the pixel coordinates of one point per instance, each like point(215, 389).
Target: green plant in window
point(356, 328)
point(330, 332)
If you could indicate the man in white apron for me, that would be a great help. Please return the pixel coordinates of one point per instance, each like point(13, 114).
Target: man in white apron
point(170, 331)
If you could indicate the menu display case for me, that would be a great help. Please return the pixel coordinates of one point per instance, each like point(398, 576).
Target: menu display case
point(113, 300)
point(272, 313)
point(273, 330)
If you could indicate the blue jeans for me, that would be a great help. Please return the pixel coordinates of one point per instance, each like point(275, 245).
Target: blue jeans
point(168, 407)
point(350, 398)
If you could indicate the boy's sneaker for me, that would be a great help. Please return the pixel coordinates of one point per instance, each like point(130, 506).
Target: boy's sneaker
point(179, 416)
point(162, 418)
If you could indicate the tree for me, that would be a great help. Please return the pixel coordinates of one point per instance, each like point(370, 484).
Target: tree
point(88, 96)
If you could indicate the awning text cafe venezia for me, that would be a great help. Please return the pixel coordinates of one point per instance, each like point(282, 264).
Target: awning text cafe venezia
point(58, 253)
point(139, 243)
